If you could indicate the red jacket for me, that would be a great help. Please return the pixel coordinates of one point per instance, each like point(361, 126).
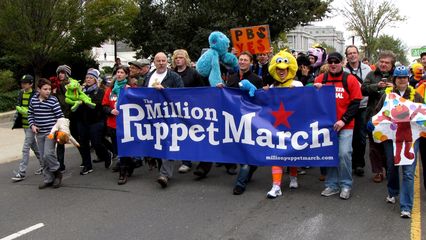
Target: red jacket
point(343, 99)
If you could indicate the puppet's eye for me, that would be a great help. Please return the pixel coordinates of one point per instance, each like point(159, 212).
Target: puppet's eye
point(282, 60)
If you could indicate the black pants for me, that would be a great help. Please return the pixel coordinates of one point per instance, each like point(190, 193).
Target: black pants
point(359, 139)
point(207, 166)
point(92, 135)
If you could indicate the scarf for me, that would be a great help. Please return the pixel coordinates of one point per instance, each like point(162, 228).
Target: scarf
point(118, 85)
point(90, 89)
point(388, 90)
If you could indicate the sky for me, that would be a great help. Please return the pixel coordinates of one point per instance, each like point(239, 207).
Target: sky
point(412, 32)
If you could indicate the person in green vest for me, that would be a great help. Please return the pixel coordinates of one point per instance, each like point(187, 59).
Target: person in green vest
point(21, 121)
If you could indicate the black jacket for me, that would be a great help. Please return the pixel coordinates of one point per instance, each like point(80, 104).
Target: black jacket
point(90, 115)
point(171, 80)
point(192, 78)
point(234, 79)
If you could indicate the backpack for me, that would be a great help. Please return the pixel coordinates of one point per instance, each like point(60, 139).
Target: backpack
point(344, 81)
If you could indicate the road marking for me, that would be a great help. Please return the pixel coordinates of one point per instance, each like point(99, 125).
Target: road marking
point(23, 232)
point(416, 220)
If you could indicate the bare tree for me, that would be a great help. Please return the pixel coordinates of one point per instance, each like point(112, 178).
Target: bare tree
point(367, 18)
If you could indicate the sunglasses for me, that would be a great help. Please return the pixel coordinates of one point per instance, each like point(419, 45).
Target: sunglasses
point(333, 61)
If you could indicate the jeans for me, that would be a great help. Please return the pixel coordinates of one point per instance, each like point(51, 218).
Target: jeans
point(359, 139)
point(92, 135)
point(29, 143)
point(167, 167)
point(245, 174)
point(407, 187)
point(341, 176)
point(46, 147)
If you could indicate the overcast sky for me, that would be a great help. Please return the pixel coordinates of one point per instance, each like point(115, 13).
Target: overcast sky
point(411, 32)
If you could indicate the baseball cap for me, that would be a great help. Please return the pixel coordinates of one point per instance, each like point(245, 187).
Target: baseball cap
point(335, 56)
point(27, 79)
point(140, 62)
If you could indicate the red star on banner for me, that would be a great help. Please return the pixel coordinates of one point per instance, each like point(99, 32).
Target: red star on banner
point(281, 116)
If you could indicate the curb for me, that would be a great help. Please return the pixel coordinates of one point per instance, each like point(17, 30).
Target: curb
point(7, 116)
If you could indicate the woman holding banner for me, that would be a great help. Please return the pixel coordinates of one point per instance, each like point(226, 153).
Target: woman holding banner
point(109, 103)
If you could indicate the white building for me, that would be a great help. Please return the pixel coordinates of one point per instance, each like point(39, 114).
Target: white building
point(104, 55)
point(302, 38)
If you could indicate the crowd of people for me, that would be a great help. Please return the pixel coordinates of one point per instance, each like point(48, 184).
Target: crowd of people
point(363, 90)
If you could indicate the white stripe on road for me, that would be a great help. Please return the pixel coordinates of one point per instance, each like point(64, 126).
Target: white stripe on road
point(23, 232)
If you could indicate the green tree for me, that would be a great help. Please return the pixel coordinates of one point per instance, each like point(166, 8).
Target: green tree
point(109, 19)
point(367, 18)
point(34, 32)
point(170, 24)
point(386, 42)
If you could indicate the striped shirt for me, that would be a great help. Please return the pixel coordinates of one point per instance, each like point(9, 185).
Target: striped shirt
point(24, 103)
point(44, 114)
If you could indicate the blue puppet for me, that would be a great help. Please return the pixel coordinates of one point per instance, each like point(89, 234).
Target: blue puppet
point(208, 65)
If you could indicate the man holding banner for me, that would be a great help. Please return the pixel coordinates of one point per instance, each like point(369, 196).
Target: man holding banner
point(348, 97)
point(161, 78)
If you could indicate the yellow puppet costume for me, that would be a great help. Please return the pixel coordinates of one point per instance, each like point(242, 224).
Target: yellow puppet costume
point(283, 60)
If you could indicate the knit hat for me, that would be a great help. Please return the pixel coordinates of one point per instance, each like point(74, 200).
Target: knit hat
point(93, 73)
point(27, 79)
point(303, 60)
point(64, 68)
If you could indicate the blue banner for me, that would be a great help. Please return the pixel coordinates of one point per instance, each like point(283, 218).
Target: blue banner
point(279, 126)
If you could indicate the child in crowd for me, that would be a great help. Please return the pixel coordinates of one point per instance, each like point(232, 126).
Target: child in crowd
point(21, 121)
point(43, 112)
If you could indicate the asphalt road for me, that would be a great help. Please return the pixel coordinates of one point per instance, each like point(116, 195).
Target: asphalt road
point(95, 207)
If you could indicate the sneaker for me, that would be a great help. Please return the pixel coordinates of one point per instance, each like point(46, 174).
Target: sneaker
point(82, 165)
point(232, 171)
point(274, 192)
point(238, 190)
point(301, 171)
point(45, 185)
point(108, 161)
point(58, 179)
point(38, 171)
point(86, 171)
point(327, 192)
point(184, 169)
point(18, 177)
point(359, 171)
point(405, 214)
point(345, 193)
point(293, 183)
point(200, 173)
point(162, 180)
point(391, 200)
